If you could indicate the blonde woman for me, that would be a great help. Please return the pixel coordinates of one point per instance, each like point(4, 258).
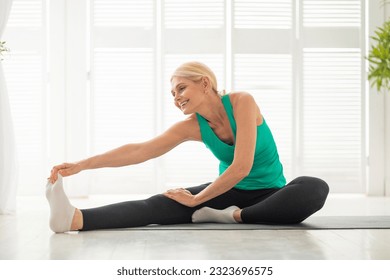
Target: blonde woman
point(251, 187)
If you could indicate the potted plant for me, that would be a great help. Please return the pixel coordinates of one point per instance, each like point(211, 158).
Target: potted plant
point(379, 58)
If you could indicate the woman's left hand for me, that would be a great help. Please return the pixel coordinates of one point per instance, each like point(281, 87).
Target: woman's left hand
point(182, 196)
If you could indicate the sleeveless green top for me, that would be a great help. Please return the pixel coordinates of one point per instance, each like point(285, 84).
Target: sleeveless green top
point(266, 172)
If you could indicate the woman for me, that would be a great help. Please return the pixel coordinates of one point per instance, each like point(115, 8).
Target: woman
point(251, 187)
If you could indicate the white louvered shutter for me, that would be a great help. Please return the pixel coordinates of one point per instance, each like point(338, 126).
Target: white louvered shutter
point(332, 110)
point(122, 89)
point(262, 65)
point(190, 163)
point(25, 72)
point(192, 31)
point(268, 77)
point(301, 60)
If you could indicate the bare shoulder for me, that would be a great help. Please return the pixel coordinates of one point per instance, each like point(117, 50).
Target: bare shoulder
point(189, 127)
point(243, 101)
point(241, 96)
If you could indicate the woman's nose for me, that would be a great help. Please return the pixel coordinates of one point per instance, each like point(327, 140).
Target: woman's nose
point(177, 97)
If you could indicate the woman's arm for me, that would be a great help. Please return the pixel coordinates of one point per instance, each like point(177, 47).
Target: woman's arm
point(245, 114)
point(140, 152)
point(132, 153)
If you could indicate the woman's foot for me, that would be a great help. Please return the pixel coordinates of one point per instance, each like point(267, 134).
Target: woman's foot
point(61, 211)
point(230, 215)
point(77, 222)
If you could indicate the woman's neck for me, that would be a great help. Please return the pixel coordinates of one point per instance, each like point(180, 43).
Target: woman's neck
point(213, 110)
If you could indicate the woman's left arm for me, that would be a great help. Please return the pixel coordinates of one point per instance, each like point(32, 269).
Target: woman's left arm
point(245, 114)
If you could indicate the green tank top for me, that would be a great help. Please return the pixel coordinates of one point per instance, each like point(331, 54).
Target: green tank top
point(266, 172)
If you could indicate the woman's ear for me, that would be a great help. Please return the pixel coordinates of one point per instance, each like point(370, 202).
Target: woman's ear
point(205, 83)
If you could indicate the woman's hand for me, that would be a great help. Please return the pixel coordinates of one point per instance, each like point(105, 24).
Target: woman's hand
point(65, 169)
point(182, 196)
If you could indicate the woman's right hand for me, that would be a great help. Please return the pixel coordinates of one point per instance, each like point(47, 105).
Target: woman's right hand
point(65, 169)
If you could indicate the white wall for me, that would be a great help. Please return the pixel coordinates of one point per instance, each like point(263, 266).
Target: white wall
point(387, 127)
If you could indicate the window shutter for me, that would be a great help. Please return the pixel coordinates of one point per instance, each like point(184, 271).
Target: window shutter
point(331, 13)
point(190, 163)
point(301, 60)
point(200, 25)
point(332, 113)
point(122, 89)
point(199, 14)
point(262, 14)
point(122, 13)
point(332, 120)
point(263, 67)
point(26, 14)
point(268, 77)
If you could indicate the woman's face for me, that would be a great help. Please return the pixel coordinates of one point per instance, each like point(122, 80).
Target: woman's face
point(187, 94)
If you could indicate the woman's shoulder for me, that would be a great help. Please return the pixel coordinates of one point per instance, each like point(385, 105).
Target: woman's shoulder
point(190, 126)
point(241, 101)
point(240, 96)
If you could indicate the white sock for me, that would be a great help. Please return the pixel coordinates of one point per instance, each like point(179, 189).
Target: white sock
point(61, 211)
point(210, 215)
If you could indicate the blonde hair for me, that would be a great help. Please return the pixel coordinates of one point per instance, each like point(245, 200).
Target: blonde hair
point(195, 71)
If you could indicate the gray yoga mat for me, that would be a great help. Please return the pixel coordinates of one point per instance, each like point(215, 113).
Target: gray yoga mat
point(312, 223)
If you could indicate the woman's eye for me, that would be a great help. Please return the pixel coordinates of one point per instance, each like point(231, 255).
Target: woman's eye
point(181, 89)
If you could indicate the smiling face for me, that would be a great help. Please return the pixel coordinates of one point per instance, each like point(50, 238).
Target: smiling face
point(187, 94)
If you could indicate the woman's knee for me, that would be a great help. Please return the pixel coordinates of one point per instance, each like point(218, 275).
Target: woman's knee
point(313, 184)
point(159, 201)
point(321, 187)
point(314, 189)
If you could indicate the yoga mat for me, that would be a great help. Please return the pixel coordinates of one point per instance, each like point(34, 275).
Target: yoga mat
point(312, 223)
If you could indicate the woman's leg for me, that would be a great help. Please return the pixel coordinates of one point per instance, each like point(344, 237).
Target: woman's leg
point(157, 209)
point(291, 204)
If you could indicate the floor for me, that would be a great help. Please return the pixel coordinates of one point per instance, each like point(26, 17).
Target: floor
point(26, 236)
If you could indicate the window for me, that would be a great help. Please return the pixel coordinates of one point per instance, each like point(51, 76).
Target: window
point(331, 93)
point(301, 60)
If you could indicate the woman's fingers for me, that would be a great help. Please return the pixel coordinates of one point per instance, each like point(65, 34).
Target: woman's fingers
point(62, 169)
point(182, 196)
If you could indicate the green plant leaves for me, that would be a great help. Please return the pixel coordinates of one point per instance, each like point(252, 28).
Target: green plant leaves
point(379, 58)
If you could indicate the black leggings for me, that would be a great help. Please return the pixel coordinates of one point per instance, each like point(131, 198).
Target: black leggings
point(288, 205)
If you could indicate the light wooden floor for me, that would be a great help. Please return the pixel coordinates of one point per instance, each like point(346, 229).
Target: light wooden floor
point(26, 236)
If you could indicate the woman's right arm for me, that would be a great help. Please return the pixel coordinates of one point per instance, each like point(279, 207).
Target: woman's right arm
point(133, 153)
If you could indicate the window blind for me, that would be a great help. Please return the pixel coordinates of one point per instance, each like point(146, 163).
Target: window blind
point(190, 163)
point(122, 90)
point(262, 14)
point(193, 14)
point(123, 105)
point(280, 70)
point(332, 114)
point(123, 13)
point(268, 77)
point(200, 26)
point(26, 14)
point(331, 144)
point(332, 13)
point(301, 60)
